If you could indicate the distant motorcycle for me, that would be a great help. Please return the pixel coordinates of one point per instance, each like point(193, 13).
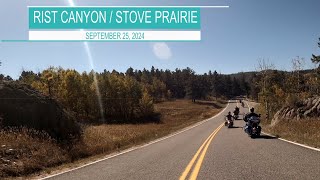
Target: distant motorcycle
point(252, 127)
point(229, 123)
point(236, 115)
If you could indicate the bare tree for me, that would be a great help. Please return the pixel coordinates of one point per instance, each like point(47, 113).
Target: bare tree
point(265, 68)
point(297, 66)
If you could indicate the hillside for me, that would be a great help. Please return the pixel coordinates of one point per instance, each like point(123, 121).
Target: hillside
point(21, 105)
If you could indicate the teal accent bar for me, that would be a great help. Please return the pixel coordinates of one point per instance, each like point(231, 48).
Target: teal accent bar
point(114, 18)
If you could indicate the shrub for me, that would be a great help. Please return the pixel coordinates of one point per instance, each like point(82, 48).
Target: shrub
point(22, 106)
point(292, 100)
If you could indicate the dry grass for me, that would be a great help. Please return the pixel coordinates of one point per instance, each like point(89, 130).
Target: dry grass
point(175, 115)
point(24, 151)
point(305, 131)
point(301, 131)
point(32, 154)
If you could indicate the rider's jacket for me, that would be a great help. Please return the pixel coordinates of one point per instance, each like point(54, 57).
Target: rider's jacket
point(229, 117)
point(236, 110)
point(250, 115)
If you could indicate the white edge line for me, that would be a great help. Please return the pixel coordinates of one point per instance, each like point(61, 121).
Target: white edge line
point(138, 6)
point(139, 147)
point(295, 143)
point(302, 145)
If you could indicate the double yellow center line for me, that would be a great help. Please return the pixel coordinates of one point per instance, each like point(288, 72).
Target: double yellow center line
point(203, 150)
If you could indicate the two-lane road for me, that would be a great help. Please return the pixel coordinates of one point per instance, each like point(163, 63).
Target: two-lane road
point(208, 151)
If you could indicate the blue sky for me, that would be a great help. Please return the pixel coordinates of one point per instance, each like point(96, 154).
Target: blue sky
point(233, 39)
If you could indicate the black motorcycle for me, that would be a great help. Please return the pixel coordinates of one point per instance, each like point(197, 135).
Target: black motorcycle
point(236, 114)
point(252, 127)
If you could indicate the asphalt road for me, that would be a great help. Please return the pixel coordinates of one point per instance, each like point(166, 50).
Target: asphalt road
point(227, 154)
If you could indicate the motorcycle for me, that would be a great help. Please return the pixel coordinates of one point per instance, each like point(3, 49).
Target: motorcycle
point(236, 115)
point(252, 127)
point(229, 123)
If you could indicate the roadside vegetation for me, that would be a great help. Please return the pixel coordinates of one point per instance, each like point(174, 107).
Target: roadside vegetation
point(24, 151)
point(59, 116)
point(289, 100)
point(303, 131)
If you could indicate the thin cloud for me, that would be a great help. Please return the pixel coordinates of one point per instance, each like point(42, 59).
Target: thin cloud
point(162, 51)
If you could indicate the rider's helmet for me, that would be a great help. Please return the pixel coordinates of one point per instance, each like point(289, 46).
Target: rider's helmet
point(229, 113)
point(252, 110)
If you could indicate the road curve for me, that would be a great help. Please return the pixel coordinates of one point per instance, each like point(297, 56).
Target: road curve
point(208, 151)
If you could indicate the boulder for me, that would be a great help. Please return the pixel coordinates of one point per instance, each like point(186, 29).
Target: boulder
point(310, 108)
point(308, 102)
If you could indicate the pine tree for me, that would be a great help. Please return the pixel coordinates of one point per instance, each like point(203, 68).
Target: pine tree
point(316, 59)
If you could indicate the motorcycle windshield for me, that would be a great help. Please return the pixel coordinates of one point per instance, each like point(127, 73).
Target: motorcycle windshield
point(254, 120)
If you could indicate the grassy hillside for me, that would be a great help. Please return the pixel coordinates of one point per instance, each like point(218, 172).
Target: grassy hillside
point(23, 152)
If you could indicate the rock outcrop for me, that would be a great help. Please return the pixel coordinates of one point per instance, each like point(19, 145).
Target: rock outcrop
point(309, 108)
point(20, 105)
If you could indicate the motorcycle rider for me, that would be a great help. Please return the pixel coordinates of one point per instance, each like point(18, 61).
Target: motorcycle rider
point(248, 116)
point(236, 110)
point(228, 117)
point(251, 114)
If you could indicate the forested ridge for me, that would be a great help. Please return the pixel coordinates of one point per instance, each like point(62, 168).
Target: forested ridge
point(129, 96)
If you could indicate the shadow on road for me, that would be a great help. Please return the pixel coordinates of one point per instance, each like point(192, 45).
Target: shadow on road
point(265, 137)
point(235, 127)
point(238, 119)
